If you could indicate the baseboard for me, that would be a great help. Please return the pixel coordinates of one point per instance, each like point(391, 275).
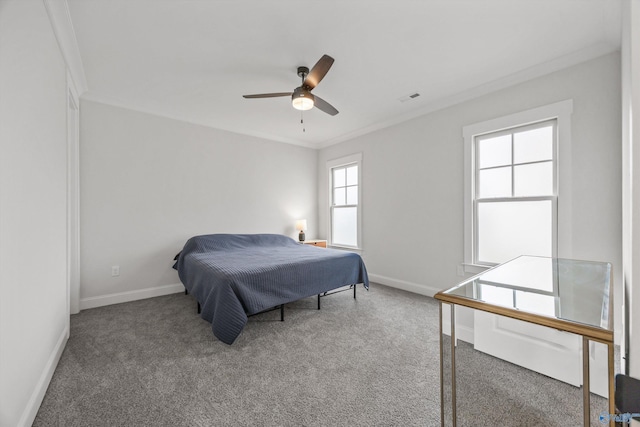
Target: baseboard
point(463, 332)
point(31, 410)
point(416, 288)
point(128, 296)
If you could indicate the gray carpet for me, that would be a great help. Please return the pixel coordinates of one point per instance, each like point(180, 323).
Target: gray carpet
point(373, 361)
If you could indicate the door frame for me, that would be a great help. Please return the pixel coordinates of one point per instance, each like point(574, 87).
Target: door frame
point(73, 198)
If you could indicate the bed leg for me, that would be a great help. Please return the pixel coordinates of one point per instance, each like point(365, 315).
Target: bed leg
point(186, 292)
point(282, 312)
point(354, 291)
point(318, 301)
point(199, 308)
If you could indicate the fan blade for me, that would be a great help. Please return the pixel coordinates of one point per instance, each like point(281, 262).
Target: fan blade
point(318, 72)
point(324, 106)
point(268, 95)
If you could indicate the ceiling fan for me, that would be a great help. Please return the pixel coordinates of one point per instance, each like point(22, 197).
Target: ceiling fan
point(301, 97)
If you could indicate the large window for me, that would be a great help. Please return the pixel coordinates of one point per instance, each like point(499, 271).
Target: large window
point(511, 206)
point(344, 177)
point(515, 195)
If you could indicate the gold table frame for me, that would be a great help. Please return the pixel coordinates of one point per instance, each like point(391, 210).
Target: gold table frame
point(588, 333)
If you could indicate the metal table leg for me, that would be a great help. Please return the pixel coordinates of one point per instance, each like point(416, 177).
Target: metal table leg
point(612, 402)
point(453, 365)
point(586, 401)
point(441, 370)
point(443, 421)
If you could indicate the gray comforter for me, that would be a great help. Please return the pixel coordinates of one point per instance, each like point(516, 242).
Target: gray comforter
point(235, 275)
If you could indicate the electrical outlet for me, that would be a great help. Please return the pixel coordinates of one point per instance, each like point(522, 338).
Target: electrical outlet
point(115, 271)
point(460, 270)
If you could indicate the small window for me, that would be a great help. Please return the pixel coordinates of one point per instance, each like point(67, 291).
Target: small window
point(344, 176)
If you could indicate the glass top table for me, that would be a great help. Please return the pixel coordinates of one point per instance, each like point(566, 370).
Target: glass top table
point(564, 294)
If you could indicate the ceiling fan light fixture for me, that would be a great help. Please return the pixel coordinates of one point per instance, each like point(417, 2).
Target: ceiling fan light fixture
point(302, 99)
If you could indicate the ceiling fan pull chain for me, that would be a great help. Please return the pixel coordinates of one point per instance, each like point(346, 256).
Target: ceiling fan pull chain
point(302, 121)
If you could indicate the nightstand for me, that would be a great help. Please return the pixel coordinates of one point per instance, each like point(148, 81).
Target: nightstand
point(318, 243)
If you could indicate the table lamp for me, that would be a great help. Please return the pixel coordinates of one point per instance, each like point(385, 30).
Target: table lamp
point(301, 225)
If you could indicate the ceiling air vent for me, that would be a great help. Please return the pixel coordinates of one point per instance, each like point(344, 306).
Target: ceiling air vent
point(409, 97)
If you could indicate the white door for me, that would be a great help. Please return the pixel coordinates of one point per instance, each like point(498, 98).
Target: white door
point(548, 351)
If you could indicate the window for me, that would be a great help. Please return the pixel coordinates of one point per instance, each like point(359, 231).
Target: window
point(511, 193)
point(515, 195)
point(344, 177)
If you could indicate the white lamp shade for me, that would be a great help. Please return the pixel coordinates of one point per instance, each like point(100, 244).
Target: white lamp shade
point(301, 224)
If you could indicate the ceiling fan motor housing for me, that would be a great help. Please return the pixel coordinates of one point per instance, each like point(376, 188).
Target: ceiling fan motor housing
point(303, 72)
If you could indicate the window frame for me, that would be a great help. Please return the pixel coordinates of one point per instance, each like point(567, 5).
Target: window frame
point(561, 229)
point(354, 159)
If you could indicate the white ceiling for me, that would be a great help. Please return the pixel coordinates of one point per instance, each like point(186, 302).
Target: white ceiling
point(194, 59)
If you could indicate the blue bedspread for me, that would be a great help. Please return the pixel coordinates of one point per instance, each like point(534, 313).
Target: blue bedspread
point(235, 275)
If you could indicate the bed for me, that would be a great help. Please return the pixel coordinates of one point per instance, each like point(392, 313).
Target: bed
point(233, 276)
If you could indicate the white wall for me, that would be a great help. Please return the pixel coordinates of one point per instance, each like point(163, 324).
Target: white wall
point(33, 203)
point(413, 178)
point(148, 183)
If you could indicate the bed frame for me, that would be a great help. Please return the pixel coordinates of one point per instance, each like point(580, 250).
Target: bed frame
point(281, 306)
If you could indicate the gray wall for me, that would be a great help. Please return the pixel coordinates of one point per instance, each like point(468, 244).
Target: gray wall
point(33, 208)
point(148, 183)
point(413, 178)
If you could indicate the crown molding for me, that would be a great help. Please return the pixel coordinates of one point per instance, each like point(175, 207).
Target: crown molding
point(60, 18)
point(114, 102)
point(527, 74)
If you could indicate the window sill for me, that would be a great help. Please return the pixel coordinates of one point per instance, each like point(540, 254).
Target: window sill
point(475, 268)
point(345, 248)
